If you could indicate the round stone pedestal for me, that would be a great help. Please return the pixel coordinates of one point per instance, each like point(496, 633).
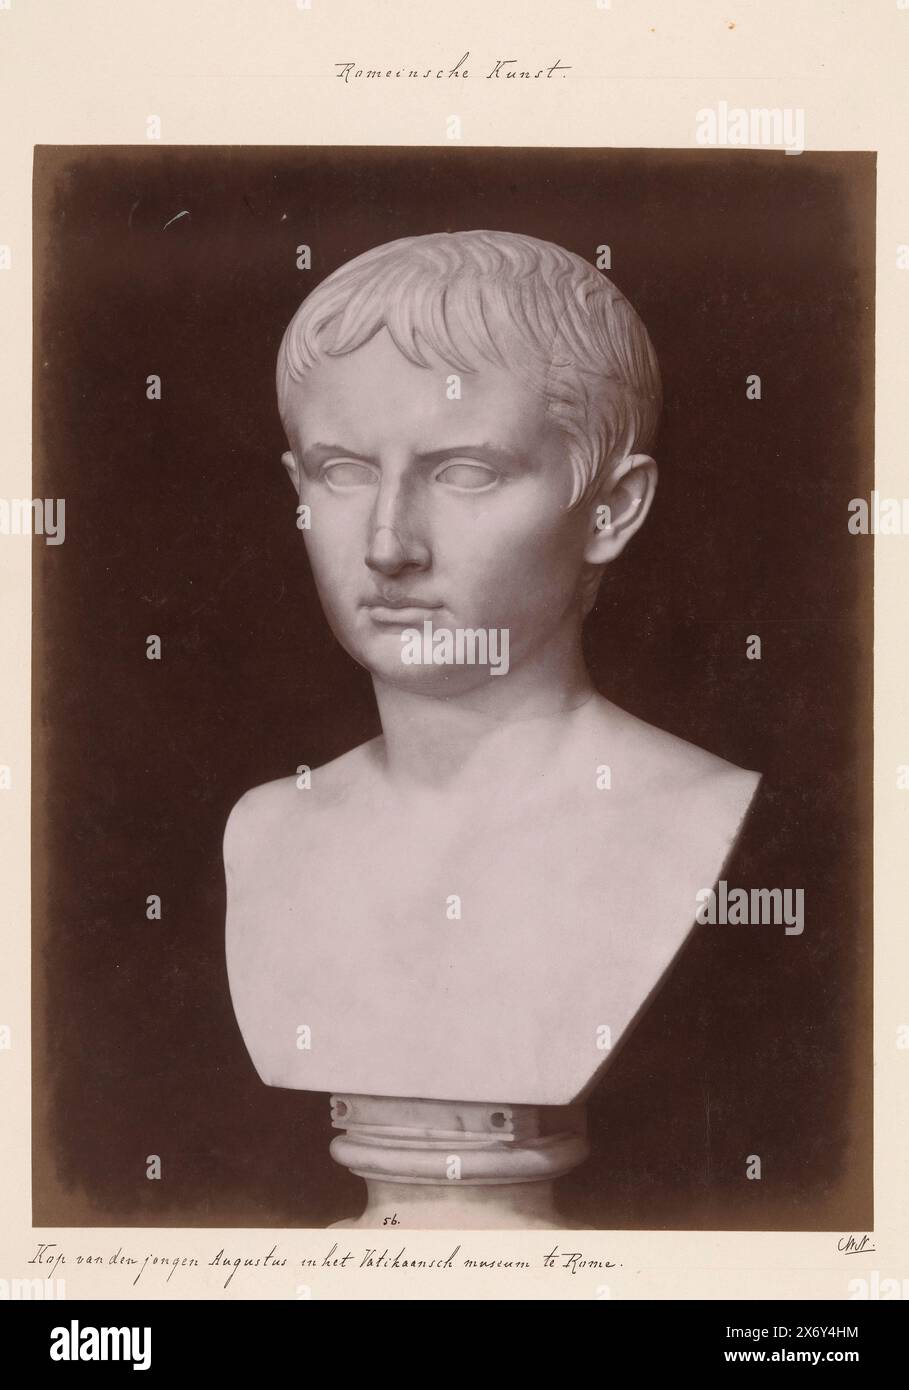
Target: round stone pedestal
point(436, 1164)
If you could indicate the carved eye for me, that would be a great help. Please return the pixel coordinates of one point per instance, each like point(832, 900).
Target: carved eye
point(467, 477)
point(348, 473)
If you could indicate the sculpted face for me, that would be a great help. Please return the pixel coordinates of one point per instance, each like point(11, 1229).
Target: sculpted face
point(426, 508)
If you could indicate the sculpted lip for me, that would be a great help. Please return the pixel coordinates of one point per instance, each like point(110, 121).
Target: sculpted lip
point(404, 609)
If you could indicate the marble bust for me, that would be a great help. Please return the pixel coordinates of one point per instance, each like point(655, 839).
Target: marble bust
point(450, 927)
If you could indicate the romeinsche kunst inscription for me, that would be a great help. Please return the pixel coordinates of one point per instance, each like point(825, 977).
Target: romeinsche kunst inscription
point(451, 926)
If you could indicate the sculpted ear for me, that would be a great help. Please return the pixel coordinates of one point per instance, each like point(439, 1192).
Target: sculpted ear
point(617, 511)
point(619, 507)
point(293, 472)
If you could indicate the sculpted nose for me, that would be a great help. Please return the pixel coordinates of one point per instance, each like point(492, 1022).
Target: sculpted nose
point(393, 542)
point(386, 554)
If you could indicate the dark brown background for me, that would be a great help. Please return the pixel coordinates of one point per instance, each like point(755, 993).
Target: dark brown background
point(180, 522)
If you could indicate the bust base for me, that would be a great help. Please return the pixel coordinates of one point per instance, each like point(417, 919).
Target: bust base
point(431, 1164)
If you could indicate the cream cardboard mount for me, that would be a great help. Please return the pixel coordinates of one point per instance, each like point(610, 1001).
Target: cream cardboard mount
point(451, 927)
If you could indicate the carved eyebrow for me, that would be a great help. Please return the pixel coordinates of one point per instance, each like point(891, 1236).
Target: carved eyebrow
point(481, 453)
point(318, 453)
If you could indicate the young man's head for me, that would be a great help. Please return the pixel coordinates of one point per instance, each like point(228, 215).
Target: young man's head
point(469, 417)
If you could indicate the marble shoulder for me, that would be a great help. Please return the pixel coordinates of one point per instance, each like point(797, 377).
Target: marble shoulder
point(722, 794)
point(264, 811)
point(662, 763)
point(695, 767)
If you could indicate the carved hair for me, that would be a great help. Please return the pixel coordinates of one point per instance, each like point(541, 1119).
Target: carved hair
point(457, 293)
